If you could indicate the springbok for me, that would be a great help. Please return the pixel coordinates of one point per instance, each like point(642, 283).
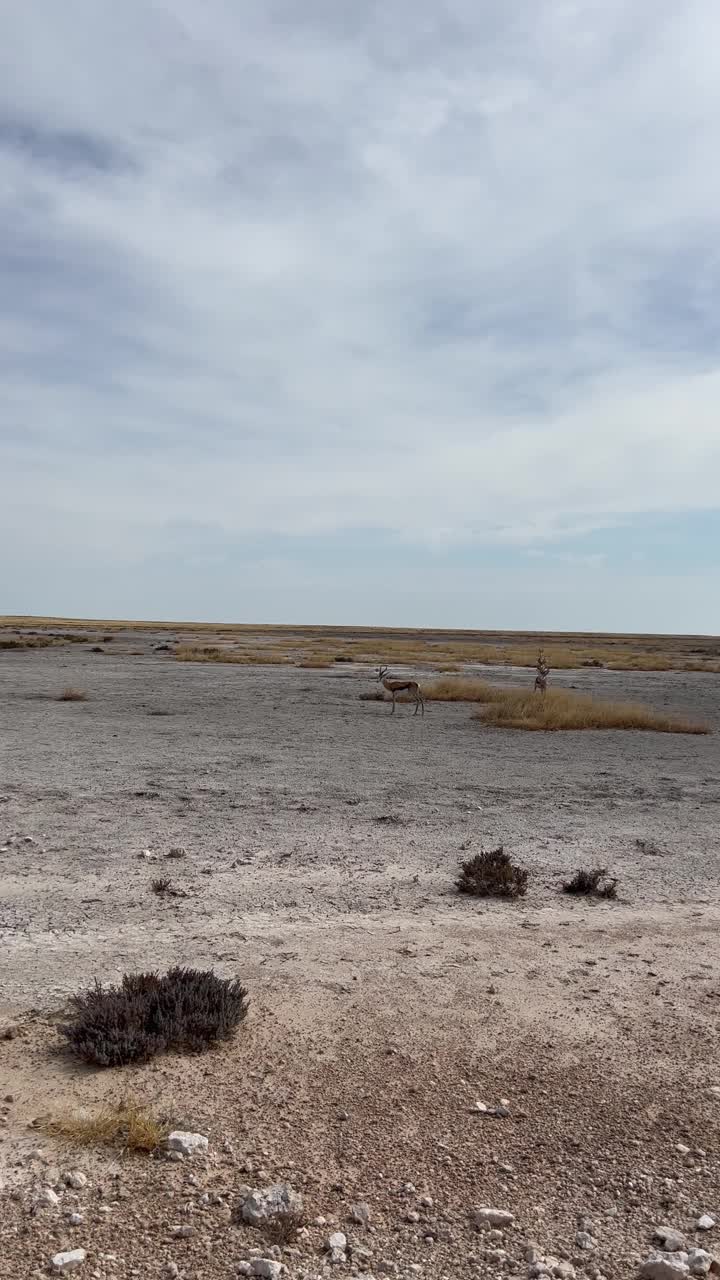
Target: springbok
point(401, 686)
point(543, 671)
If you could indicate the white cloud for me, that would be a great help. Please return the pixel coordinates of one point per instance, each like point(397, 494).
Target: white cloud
point(446, 273)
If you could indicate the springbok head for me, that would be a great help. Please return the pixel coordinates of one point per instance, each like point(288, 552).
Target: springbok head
point(382, 672)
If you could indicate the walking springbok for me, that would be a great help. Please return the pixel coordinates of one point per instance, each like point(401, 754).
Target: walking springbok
point(401, 686)
point(543, 671)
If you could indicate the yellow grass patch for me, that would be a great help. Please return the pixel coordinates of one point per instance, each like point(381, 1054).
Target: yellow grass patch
point(129, 1125)
point(564, 709)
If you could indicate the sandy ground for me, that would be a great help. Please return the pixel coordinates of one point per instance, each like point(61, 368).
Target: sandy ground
point(322, 839)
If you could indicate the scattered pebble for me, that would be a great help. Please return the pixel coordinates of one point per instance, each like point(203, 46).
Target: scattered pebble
point(187, 1144)
point(486, 1217)
point(705, 1222)
point(68, 1261)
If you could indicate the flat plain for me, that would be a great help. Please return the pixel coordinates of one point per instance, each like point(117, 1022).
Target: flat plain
point(321, 838)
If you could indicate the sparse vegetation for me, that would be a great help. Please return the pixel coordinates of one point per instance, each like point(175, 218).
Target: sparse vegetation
point(492, 874)
point(430, 649)
point(237, 657)
point(129, 1125)
point(184, 1010)
point(316, 662)
point(595, 883)
point(161, 885)
point(282, 1228)
point(97, 648)
point(69, 694)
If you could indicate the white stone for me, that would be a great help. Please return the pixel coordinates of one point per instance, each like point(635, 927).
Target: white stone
point(699, 1262)
point(584, 1240)
point(715, 1090)
point(75, 1179)
point(69, 1261)
point(47, 1198)
point(485, 1217)
point(682, 1149)
point(76, 1219)
point(269, 1202)
point(669, 1239)
point(267, 1267)
point(705, 1223)
point(337, 1242)
point(187, 1144)
point(360, 1213)
point(663, 1269)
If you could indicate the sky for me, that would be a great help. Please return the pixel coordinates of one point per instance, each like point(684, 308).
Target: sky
point(394, 314)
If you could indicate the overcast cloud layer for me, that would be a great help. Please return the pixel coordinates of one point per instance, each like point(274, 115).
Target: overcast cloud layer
point(341, 312)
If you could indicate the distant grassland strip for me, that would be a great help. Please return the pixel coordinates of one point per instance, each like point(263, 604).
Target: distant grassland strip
point(319, 646)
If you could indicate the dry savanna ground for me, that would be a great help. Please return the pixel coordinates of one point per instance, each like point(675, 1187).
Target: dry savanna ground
point(312, 841)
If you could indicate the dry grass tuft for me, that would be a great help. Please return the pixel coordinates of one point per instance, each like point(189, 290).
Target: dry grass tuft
point(594, 884)
point(492, 874)
point(564, 709)
point(129, 1125)
point(70, 694)
point(316, 662)
point(161, 885)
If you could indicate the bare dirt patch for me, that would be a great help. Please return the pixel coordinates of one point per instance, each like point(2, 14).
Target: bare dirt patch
point(385, 1006)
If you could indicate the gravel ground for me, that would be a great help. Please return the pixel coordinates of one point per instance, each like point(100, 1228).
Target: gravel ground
point(321, 841)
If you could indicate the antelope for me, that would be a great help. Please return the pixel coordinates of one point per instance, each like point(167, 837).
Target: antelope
point(543, 671)
point(401, 686)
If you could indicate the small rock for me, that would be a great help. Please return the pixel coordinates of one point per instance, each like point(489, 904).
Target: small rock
point(187, 1144)
point(705, 1222)
point(182, 1233)
point(479, 1107)
point(412, 1215)
point(584, 1240)
point(699, 1262)
point(266, 1267)
point(337, 1242)
point(68, 1261)
point(485, 1217)
point(682, 1149)
point(663, 1269)
point(269, 1202)
point(46, 1198)
point(715, 1090)
point(171, 1269)
point(76, 1219)
point(360, 1213)
point(75, 1179)
point(669, 1239)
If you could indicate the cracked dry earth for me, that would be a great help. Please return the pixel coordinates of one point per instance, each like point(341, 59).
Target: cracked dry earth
point(321, 842)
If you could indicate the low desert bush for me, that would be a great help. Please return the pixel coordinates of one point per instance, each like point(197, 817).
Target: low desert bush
point(492, 874)
point(69, 694)
point(595, 883)
point(161, 885)
point(185, 1010)
point(564, 709)
point(130, 1125)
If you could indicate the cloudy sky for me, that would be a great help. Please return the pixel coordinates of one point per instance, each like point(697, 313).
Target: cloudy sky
point(402, 312)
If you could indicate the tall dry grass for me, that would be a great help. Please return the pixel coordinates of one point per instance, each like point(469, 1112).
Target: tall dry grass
point(564, 709)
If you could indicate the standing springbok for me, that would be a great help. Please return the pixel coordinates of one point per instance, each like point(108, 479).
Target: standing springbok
point(543, 671)
point(401, 686)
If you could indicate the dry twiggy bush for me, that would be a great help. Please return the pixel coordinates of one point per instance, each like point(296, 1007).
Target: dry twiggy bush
point(492, 874)
point(185, 1010)
point(69, 694)
point(595, 883)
